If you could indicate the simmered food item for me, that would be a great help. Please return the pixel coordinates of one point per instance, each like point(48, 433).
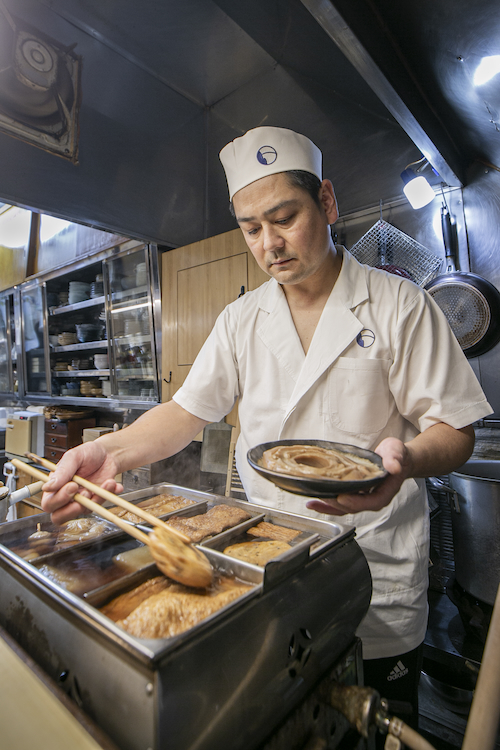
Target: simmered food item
point(40, 543)
point(40, 535)
point(258, 553)
point(120, 607)
point(180, 561)
point(134, 559)
point(171, 610)
point(80, 575)
point(313, 461)
point(43, 541)
point(215, 520)
point(160, 505)
point(67, 580)
point(272, 531)
point(80, 529)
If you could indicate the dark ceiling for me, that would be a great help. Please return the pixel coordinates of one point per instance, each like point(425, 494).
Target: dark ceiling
point(164, 85)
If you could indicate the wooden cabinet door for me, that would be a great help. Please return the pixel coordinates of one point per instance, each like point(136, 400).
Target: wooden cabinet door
point(198, 281)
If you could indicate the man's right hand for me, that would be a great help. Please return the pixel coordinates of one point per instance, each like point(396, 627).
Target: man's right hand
point(89, 460)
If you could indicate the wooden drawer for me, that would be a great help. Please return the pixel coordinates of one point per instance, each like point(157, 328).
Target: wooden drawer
point(53, 454)
point(57, 441)
point(55, 426)
point(66, 434)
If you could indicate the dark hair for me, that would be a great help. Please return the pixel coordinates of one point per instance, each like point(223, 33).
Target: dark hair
point(298, 178)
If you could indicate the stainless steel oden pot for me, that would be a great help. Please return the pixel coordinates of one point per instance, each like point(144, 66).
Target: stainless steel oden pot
point(475, 494)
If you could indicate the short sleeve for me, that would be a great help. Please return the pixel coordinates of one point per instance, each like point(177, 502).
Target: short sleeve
point(431, 378)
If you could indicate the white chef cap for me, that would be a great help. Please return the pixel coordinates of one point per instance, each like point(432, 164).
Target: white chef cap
point(264, 151)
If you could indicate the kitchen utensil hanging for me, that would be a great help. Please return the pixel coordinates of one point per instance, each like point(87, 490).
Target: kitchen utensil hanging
point(384, 246)
point(470, 303)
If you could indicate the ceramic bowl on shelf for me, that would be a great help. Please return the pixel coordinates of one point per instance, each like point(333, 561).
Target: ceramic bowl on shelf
point(78, 292)
point(101, 361)
point(89, 332)
point(128, 282)
point(106, 387)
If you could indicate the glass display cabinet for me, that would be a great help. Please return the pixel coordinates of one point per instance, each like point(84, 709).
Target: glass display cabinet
point(131, 327)
point(89, 333)
point(34, 341)
point(9, 378)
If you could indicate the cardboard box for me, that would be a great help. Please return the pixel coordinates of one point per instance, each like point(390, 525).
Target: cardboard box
point(92, 433)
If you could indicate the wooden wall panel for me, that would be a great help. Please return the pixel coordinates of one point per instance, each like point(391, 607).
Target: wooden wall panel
point(198, 281)
point(202, 292)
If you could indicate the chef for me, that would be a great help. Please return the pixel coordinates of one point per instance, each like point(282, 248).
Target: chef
point(327, 349)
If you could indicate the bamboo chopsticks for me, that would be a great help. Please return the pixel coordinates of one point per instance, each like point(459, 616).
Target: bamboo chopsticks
point(116, 499)
point(87, 503)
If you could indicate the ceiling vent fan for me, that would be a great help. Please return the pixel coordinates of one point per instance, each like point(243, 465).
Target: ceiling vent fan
point(39, 88)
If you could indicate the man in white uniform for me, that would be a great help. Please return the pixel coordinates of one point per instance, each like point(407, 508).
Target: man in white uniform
point(326, 349)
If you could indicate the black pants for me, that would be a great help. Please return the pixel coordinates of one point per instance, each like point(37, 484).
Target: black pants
point(396, 678)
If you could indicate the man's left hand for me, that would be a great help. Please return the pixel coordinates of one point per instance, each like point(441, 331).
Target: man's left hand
point(396, 459)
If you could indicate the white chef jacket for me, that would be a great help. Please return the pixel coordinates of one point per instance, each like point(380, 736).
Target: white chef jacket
point(383, 362)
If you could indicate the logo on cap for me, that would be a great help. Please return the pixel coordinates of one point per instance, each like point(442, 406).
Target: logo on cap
point(267, 155)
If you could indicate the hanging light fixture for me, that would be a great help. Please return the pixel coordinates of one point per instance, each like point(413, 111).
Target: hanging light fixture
point(416, 188)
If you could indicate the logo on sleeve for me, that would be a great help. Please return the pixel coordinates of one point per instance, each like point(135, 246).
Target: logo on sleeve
point(267, 155)
point(365, 338)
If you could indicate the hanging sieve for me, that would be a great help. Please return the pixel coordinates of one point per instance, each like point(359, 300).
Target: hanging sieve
point(384, 246)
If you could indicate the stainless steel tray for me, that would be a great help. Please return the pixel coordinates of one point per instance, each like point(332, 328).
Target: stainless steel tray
point(319, 537)
point(222, 683)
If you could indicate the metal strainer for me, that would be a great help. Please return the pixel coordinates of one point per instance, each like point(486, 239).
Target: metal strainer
point(384, 246)
point(470, 303)
point(466, 310)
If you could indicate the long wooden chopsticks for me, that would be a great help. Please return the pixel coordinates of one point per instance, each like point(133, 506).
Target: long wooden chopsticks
point(86, 502)
point(116, 499)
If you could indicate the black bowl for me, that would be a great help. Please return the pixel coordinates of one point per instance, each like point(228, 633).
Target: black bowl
point(314, 486)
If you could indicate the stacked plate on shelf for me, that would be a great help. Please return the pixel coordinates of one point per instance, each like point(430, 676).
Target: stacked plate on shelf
point(66, 337)
point(78, 292)
point(80, 364)
point(97, 287)
point(86, 387)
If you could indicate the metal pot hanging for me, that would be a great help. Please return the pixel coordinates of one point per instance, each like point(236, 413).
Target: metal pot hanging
point(470, 303)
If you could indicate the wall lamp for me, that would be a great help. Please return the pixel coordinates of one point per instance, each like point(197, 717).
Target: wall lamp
point(416, 188)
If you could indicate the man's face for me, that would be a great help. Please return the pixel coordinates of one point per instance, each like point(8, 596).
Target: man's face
point(286, 231)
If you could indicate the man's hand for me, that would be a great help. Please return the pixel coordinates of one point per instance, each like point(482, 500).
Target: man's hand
point(158, 433)
point(89, 460)
point(397, 461)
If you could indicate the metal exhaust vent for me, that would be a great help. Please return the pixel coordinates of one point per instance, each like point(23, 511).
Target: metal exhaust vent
point(39, 88)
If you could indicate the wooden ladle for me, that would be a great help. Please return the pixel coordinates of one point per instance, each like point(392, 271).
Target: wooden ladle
point(173, 556)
